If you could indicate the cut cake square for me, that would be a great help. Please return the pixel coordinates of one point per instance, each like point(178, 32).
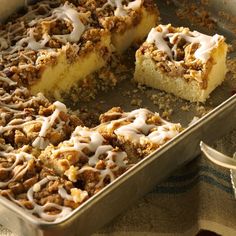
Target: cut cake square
point(128, 21)
point(139, 132)
point(188, 64)
point(87, 159)
point(32, 120)
point(53, 47)
point(37, 189)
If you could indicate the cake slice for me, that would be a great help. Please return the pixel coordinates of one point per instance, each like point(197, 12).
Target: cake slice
point(33, 120)
point(128, 21)
point(186, 63)
point(86, 159)
point(53, 48)
point(37, 189)
point(139, 132)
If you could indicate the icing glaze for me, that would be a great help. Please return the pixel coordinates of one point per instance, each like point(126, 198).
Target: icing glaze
point(206, 43)
point(41, 142)
point(64, 12)
point(138, 130)
point(47, 123)
point(122, 10)
point(91, 144)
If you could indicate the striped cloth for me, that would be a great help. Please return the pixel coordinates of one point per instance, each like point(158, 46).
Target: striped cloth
point(198, 196)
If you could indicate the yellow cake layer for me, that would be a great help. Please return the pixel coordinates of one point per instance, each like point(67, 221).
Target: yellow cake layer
point(59, 78)
point(122, 41)
point(146, 72)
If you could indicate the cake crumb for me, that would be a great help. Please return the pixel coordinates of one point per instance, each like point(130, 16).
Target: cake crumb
point(136, 102)
point(185, 107)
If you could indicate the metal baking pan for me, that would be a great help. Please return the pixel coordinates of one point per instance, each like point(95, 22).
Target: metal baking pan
point(141, 178)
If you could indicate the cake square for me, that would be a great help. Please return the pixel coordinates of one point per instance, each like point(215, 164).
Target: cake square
point(128, 21)
point(86, 159)
point(139, 132)
point(37, 189)
point(54, 45)
point(186, 63)
point(32, 120)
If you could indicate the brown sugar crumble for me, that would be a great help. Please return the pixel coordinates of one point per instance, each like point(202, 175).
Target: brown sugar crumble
point(197, 14)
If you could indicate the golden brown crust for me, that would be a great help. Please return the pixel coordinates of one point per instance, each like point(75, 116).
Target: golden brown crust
point(118, 24)
point(24, 65)
point(17, 190)
point(135, 140)
point(185, 65)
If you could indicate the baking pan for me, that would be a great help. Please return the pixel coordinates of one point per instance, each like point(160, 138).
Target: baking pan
point(9, 7)
point(141, 178)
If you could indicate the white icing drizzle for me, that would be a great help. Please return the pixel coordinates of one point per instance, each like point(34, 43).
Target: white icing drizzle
point(23, 122)
point(134, 5)
point(139, 131)
point(19, 166)
point(62, 192)
point(114, 162)
point(103, 175)
point(17, 29)
point(119, 159)
point(163, 133)
point(95, 139)
point(76, 195)
point(41, 142)
point(100, 150)
point(120, 9)
point(158, 38)
point(31, 41)
point(40, 210)
point(13, 105)
point(65, 12)
point(6, 100)
point(8, 81)
point(84, 139)
point(36, 14)
point(206, 43)
point(87, 168)
point(11, 33)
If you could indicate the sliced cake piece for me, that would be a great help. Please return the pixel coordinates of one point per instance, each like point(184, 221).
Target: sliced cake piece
point(55, 50)
point(26, 119)
point(37, 189)
point(139, 132)
point(86, 159)
point(128, 21)
point(188, 64)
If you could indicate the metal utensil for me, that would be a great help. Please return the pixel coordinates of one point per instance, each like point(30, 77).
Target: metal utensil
point(233, 177)
point(218, 157)
point(222, 160)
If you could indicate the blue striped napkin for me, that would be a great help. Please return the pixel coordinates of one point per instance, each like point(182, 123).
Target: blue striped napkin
point(198, 196)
